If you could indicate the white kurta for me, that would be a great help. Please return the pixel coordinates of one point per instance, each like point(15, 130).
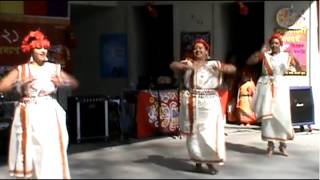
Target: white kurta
point(39, 137)
point(272, 99)
point(201, 117)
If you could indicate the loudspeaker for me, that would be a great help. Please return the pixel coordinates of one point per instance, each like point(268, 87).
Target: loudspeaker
point(7, 109)
point(87, 118)
point(5, 128)
point(302, 107)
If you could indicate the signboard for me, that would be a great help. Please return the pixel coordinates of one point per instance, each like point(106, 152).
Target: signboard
point(295, 41)
point(13, 29)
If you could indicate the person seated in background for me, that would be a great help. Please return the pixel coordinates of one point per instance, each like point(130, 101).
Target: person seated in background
point(164, 82)
point(246, 91)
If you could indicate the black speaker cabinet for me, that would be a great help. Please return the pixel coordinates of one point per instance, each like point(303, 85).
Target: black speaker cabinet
point(5, 129)
point(302, 107)
point(7, 109)
point(87, 118)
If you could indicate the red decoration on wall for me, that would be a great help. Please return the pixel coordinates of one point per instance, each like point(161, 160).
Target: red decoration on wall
point(244, 10)
point(152, 11)
point(37, 8)
point(46, 8)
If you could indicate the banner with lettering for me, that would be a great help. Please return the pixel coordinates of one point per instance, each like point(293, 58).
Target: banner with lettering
point(295, 41)
point(14, 28)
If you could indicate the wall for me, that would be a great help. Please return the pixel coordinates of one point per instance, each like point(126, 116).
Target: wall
point(315, 62)
point(202, 16)
point(89, 23)
point(98, 17)
point(221, 39)
point(187, 16)
point(136, 65)
point(195, 17)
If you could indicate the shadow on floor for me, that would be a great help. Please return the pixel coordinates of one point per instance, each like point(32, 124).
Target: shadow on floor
point(91, 145)
point(244, 148)
point(175, 164)
point(98, 144)
point(171, 163)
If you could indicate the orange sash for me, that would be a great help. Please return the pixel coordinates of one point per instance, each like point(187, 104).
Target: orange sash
point(269, 70)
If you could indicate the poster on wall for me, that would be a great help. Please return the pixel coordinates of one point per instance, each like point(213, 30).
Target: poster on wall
point(114, 55)
point(187, 38)
point(295, 42)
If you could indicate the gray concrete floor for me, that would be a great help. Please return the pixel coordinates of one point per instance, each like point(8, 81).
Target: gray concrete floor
point(167, 158)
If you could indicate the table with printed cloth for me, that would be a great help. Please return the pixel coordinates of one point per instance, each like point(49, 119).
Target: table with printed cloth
point(158, 112)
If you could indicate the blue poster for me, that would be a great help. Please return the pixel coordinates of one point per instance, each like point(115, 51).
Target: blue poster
point(114, 55)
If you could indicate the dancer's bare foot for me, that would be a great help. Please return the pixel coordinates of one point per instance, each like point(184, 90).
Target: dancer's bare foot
point(283, 152)
point(282, 149)
point(212, 169)
point(269, 151)
point(270, 148)
point(198, 167)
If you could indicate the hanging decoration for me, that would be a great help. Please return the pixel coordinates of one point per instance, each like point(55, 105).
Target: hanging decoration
point(151, 10)
point(244, 10)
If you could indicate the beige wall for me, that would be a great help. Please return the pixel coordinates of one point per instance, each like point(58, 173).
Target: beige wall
point(187, 15)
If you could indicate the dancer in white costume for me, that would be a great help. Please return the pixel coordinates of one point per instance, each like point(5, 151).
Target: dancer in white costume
point(271, 101)
point(39, 137)
point(201, 116)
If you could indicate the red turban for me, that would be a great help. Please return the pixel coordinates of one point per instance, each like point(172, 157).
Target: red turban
point(35, 39)
point(202, 41)
point(276, 36)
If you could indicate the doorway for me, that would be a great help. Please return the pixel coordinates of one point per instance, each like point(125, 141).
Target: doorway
point(246, 37)
point(156, 36)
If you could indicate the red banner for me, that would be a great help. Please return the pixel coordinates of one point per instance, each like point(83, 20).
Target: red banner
point(157, 112)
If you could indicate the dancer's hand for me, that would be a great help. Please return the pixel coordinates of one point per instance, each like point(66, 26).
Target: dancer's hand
point(264, 48)
point(188, 63)
point(26, 82)
point(57, 81)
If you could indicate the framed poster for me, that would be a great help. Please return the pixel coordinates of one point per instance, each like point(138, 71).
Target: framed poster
point(187, 39)
point(114, 55)
point(295, 41)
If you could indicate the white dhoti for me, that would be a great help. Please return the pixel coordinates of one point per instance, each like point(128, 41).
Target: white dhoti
point(39, 140)
point(203, 124)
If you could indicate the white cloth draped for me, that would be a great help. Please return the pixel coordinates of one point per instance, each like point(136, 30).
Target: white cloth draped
point(272, 100)
point(39, 137)
point(201, 117)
